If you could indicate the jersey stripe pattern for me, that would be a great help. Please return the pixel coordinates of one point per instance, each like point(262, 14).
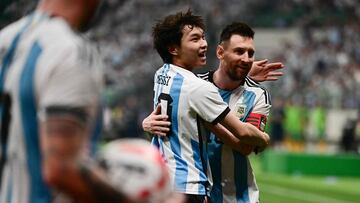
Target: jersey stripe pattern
point(232, 173)
point(46, 71)
point(188, 101)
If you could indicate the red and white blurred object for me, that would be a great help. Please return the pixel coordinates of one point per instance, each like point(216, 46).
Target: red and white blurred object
point(136, 168)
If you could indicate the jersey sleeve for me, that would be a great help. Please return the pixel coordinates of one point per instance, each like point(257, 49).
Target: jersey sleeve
point(208, 104)
point(73, 88)
point(259, 114)
point(261, 106)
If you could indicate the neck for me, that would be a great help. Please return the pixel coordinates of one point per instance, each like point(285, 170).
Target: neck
point(182, 65)
point(68, 10)
point(224, 82)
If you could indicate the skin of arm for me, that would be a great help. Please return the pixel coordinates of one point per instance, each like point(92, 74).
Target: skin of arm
point(229, 139)
point(245, 132)
point(62, 146)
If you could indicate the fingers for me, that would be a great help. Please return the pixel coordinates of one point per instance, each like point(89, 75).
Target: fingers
point(160, 123)
point(161, 132)
point(159, 118)
point(261, 148)
point(274, 66)
point(273, 76)
point(159, 126)
point(261, 62)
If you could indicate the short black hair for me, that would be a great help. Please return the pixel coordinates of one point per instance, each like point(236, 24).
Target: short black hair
point(236, 28)
point(168, 32)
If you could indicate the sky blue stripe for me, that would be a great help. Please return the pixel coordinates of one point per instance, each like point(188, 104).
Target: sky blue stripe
point(39, 193)
point(225, 95)
point(96, 134)
point(215, 153)
point(9, 192)
point(8, 57)
point(181, 172)
point(198, 165)
point(241, 175)
point(249, 98)
point(240, 168)
point(11, 52)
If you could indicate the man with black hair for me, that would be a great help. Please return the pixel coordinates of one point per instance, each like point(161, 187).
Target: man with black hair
point(191, 104)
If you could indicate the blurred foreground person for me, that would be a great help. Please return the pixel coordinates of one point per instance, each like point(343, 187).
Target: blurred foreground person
point(50, 89)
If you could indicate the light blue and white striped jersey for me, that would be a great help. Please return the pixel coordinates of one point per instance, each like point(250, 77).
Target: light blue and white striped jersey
point(233, 178)
point(44, 63)
point(188, 101)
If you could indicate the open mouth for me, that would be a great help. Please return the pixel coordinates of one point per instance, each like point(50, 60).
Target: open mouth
point(202, 55)
point(244, 67)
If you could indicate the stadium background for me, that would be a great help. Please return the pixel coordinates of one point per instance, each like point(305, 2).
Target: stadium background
point(314, 122)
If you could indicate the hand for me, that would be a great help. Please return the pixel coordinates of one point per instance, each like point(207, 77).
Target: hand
point(261, 148)
point(156, 123)
point(263, 71)
point(245, 149)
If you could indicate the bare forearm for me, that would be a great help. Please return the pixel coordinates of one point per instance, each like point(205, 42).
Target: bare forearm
point(229, 139)
point(245, 132)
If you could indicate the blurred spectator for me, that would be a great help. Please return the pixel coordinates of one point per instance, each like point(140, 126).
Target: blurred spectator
point(276, 121)
point(348, 141)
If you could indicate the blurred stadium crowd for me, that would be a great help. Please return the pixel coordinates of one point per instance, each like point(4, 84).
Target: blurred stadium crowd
point(322, 74)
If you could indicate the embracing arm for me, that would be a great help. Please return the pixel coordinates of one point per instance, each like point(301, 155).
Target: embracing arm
point(245, 132)
point(229, 139)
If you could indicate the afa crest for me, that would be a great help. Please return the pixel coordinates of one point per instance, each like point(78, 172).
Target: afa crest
point(240, 110)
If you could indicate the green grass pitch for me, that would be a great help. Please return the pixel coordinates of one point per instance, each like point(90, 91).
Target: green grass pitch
point(297, 188)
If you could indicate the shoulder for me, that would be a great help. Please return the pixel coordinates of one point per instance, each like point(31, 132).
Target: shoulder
point(65, 45)
point(56, 35)
point(8, 33)
point(253, 86)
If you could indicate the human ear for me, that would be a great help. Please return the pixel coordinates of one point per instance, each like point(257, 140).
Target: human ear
point(220, 52)
point(173, 50)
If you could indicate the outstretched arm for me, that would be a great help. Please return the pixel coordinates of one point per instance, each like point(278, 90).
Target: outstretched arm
point(264, 71)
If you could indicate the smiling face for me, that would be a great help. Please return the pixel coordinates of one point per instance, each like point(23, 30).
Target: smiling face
point(192, 50)
point(236, 56)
